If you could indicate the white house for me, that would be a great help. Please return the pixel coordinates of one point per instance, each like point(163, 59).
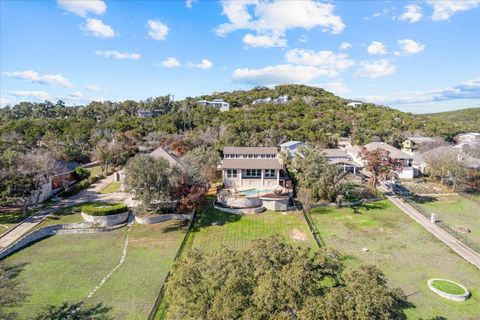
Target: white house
point(354, 104)
point(279, 100)
point(340, 158)
point(252, 167)
point(217, 103)
point(290, 148)
point(407, 173)
point(263, 100)
point(414, 144)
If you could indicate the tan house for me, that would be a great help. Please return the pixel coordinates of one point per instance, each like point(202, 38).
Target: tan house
point(252, 167)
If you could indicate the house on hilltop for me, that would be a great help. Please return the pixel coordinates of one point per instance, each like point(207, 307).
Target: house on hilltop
point(253, 167)
point(414, 144)
point(290, 148)
point(216, 103)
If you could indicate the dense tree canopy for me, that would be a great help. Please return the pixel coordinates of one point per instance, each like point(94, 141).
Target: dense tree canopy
point(273, 280)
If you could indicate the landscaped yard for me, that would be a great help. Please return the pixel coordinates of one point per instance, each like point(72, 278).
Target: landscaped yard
point(95, 171)
point(215, 229)
point(67, 267)
point(456, 211)
point(404, 251)
point(112, 187)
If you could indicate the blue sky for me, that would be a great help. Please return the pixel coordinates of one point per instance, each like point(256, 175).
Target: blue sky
point(417, 56)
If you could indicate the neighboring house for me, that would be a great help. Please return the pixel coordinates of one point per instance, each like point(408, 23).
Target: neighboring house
point(172, 159)
point(279, 100)
point(342, 159)
point(142, 113)
point(290, 148)
point(414, 144)
point(263, 100)
point(354, 104)
point(216, 103)
point(407, 173)
point(253, 167)
point(420, 160)
point(466, 138)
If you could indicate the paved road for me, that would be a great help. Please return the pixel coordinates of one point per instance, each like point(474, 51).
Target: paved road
point(89, 194)
point(456, 245)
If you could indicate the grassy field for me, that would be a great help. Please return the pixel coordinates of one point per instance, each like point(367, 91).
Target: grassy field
point(214, 229)
point(67, 267)
point(407, 254)
point(456, 211)
point(9, 217)
point(112, 187)
point(95, 171)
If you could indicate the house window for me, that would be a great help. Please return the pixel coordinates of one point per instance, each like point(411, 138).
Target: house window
point(269, 173)
point(231, 173)
point(251, 173)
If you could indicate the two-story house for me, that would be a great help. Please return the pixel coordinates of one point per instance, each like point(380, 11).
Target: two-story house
point(340, 158)
point(253, 167)
point(216, 103)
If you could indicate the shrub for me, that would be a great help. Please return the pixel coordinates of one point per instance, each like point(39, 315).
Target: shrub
point(103, 208)
point(72, 190)
point(93, 179)
point(81, 172)
point(84, 183)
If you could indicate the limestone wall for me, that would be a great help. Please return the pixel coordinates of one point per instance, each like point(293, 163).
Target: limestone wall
point(71, 228)
point(107, 221)
point(162, 218)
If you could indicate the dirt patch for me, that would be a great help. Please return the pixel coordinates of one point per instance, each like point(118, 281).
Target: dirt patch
point(298, 235)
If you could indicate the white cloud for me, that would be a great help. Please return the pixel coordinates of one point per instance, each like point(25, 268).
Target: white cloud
point(376, 47)
point(76, 94)
point(345, 46)
point(33, 76)
point(442, 10)
point(468, 90)
point(324, 58)
point(98, 29)
point(204, 64)
point(285, 73)
point(157, 30)
point(118, 55)
point(4, 101)
point(169, 62)
point(274, 18)
point(264, 41)
point(336, 87)
point(37, 95)
point(410, 47)
point(375, 69)
point(83, 7)
point(92, 87)
point(413, 13)
point(189, 3)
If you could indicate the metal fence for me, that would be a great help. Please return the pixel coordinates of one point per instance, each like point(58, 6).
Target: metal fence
point(158, 301)
point(475, 246)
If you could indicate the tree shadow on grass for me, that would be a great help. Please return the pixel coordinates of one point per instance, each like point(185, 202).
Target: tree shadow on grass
point(176, 226)
point(423, 199)
point(13, 293)
point(68, 211)
point(9, 215)
point(74, 311)
point(367, 206)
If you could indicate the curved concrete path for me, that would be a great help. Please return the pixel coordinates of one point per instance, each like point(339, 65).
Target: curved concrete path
point(459, 247)
point(89, 194)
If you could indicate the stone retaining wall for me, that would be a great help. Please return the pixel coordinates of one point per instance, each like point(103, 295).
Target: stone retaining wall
point(163, 217)
point(71, 228)
point(240, 211)
point(449, 296)
point(107, 221)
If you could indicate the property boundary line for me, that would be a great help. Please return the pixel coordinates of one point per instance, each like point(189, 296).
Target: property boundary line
point(315, 233)
point(158, 301)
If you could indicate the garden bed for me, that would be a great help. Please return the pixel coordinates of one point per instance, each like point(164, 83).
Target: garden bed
point(449, 289)
point(105, 213)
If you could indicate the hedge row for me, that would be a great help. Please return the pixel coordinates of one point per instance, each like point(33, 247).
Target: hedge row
point(103, 208)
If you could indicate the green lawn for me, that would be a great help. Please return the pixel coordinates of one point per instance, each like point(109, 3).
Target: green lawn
point(95, 171)
point(456, 211)
point(66, 215)
point(68, 267)
point(236, 231)
point(407, 254)
point(9, 217)
point(112, 187)
point(447, 286)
